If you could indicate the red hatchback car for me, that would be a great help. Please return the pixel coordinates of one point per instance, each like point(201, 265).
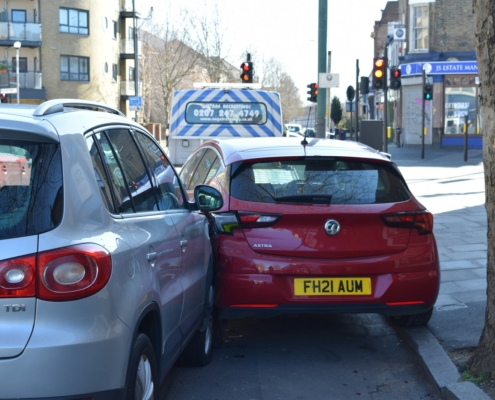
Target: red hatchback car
point(325, 227)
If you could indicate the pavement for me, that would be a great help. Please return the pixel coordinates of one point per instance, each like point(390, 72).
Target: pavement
point(453, 189)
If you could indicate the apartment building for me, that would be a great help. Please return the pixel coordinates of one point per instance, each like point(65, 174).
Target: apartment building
point(69, 49)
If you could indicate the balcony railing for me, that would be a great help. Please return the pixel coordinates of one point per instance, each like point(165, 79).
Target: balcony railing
point(28, 80)
point(127, 88)
point(20, 31)
point(127, 46)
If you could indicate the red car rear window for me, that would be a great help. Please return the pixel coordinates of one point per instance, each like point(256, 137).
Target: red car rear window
point(310, 180)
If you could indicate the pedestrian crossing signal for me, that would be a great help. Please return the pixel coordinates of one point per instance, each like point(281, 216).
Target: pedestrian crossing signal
point(428, 92)
point(3, 98)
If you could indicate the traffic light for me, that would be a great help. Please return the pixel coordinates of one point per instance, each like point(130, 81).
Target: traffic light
point(247, 72)
point(312, 92)
point(428, 91)
point(379, 73)
point(364, 85)
point(395, 82)
point(3, 98)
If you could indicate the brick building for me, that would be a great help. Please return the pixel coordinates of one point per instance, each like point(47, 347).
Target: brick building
point(440, 41)
point(437, 36)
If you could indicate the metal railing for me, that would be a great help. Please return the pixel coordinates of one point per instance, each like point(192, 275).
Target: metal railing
point(27, 80)
point(20, 31)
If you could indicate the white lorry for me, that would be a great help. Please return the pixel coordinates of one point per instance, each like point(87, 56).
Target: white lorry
point(221, 111)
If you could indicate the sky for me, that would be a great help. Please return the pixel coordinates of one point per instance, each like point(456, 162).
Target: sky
point(287, 30)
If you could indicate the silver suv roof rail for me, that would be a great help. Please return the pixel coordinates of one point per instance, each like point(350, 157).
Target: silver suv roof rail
point(57, 105)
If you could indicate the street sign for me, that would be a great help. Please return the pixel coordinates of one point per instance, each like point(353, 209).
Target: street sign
point(8, 90)
point(135, 101)
point(350, 93)
point(328, 80)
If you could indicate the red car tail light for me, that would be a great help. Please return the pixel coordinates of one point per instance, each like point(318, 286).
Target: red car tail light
point(226, 222)
point(257, 220)
point(72, 273)
point(420, 220)
point(17, 277)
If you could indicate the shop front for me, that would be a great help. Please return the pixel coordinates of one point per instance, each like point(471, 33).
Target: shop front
point(455, 102)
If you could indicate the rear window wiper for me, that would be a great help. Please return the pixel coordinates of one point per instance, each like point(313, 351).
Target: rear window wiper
point(306, 198)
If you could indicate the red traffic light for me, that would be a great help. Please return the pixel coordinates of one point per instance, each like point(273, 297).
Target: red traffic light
point(395, 81)
point(247, 72)
point(379, 63)
point(312, 92)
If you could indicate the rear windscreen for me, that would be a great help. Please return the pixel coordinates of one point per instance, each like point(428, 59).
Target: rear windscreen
point(226, 113)
point(315, 180)
point(31, 195)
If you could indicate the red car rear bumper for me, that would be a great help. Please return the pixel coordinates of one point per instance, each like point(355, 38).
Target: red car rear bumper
point(254, 284)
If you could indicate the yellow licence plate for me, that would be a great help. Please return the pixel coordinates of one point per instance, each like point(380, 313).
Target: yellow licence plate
point(332, 286)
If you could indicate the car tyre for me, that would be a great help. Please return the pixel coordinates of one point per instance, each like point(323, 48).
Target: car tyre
point(199, 351)
point(141, 381)
point(409, 321)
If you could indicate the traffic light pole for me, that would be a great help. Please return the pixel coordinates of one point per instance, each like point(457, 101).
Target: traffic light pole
point(357, 102)
point(385, 100)
point(423, 118)
point(322, 66)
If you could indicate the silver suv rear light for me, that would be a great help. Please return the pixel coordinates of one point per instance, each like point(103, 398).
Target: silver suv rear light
point(69, 273)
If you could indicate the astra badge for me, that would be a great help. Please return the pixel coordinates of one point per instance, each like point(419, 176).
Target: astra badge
point(262, 245)
point(332, 227)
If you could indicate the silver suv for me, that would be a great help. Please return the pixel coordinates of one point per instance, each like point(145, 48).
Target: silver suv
point(105, 265)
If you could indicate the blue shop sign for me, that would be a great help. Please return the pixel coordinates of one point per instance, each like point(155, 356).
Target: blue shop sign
point(440, 68)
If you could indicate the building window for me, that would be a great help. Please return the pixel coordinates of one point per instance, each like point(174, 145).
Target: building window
point(114, 24)
point(419, 24)
point(130, 33)
point(19, 16)
point(114, 72)
point(23, 64)
point(132, 74)
point(74, 68)
point(74, 21)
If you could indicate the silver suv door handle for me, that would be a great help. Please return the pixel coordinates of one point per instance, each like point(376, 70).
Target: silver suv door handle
point(151, 256)
point(183, 243)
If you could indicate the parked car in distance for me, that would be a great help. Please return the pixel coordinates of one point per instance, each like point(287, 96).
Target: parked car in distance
point(292, 129)
point(105, 265)
point(309, 132)
point(321, 228)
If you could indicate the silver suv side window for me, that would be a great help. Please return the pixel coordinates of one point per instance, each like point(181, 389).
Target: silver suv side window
point(30, 173)
point(100, 174)
point(134, 172)
point(186, 173)
point(169, 190)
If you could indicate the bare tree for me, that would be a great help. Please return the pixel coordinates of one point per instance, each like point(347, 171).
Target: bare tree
point(210, 44)
point(276, 79)
point(483, 360)
point(169, 63)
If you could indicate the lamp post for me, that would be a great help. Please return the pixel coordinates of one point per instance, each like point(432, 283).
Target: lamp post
point(17, 46)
